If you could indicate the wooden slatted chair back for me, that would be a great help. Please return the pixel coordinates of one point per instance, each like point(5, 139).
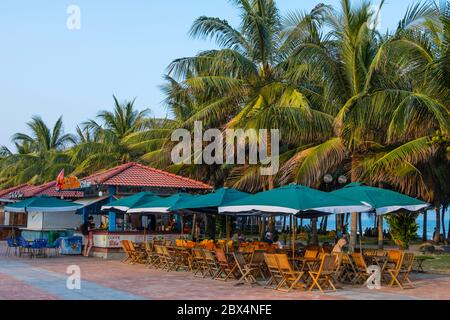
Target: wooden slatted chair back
point(394, 256)
point(359, 261)
point(209, 256)
point(311, 253)
point(283, 263)
point(257, 257)
point(271, 261)
point(328, 264)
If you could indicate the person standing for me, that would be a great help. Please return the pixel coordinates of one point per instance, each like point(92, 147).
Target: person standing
point(86, 229)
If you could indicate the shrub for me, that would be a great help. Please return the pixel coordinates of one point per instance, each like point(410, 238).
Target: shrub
point(403, 228)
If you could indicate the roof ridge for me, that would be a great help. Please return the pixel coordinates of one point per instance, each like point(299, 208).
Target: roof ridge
point(172, 174)
point(12, 189)
point(111, 172)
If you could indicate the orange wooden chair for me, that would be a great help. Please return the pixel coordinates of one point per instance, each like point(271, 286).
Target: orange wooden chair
point(275, 274)
point(361, 275)
point(323, 278)
point(226, 270)
point(400, 274)
point(291, 278)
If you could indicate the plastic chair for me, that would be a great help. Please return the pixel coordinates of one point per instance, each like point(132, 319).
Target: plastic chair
point(11, 245)
point(38, 247)
point(24, 246)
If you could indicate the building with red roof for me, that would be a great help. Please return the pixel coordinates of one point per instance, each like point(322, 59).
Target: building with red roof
point(136, 175)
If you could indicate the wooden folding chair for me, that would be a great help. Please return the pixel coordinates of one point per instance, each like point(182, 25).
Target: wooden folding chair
point(291, 278)
point(361, 275)
point(211, 262)
point(138, 255)
point(199, 265)
point(258, 264)
point(339, 267)
point(173, 261)
point(394, 257)
point(226, 270)
point(184, 258)
point(128, 256)
point(245, 270)
point(161, 261)
point(400, 274)
point(347, 270)
point(323, 278)
point(275, 274)
point(151, 255)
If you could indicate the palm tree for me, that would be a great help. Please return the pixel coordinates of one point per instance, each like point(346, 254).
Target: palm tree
point(40, 155)
point(370, 83)
point(245, 83)
point(108, 142)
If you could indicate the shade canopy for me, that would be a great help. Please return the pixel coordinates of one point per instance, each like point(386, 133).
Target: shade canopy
point(43, 204)
point(210, 202)
point(382, 200)
point(161, 205)
point(293, 199)
point(128, 203)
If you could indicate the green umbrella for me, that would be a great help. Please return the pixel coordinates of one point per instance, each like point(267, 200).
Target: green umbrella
point(382, 200)
point(128, 203)
point(210, 202)
point(293, 199)
point(161, 205)
point(43, 204)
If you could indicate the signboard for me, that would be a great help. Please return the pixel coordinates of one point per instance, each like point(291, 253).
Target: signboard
point(113, 240)
point(70, 183)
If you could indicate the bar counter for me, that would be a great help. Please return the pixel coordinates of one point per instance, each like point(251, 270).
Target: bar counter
point(107, 243)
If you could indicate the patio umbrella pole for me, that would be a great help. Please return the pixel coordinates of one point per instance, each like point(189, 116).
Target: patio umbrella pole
point(293, 236)
point(145, 234)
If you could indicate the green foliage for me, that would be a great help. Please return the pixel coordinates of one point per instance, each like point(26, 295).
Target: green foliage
point(344, 97)
point(403, 228)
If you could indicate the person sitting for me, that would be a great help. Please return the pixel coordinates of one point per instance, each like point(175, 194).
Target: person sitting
point(269, 237)
point(277, 242)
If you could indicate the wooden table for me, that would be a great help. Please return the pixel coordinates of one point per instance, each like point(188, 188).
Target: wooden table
point(419, 263)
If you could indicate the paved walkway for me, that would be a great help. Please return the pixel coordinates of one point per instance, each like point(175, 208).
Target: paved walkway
point(24, 278)
point(52, 285)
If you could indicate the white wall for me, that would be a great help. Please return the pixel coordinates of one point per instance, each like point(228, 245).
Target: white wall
point(34, 220)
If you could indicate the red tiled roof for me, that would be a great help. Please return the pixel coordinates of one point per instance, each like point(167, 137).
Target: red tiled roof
point(49, 189)
point(137, 175)
point(5, 193)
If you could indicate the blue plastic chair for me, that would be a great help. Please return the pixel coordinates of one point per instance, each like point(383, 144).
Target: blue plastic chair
point(24, 246)
point(12, 244)
point(38, 247)
point(55, 246)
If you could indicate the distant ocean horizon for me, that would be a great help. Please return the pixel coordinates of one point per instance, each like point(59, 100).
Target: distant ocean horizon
point(368, 222)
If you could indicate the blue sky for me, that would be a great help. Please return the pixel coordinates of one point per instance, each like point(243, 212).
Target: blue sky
point(122, 48)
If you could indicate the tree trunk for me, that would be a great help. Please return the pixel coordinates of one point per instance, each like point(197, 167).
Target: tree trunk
point(284, 224)
point(448, 235)
point(353, 230)
point(380, 233)
point(314, 236)
point(325, 224)
point(262, 229)
point(437, 234)
point(425, 227)
point(443, 226)
point(194, 217)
